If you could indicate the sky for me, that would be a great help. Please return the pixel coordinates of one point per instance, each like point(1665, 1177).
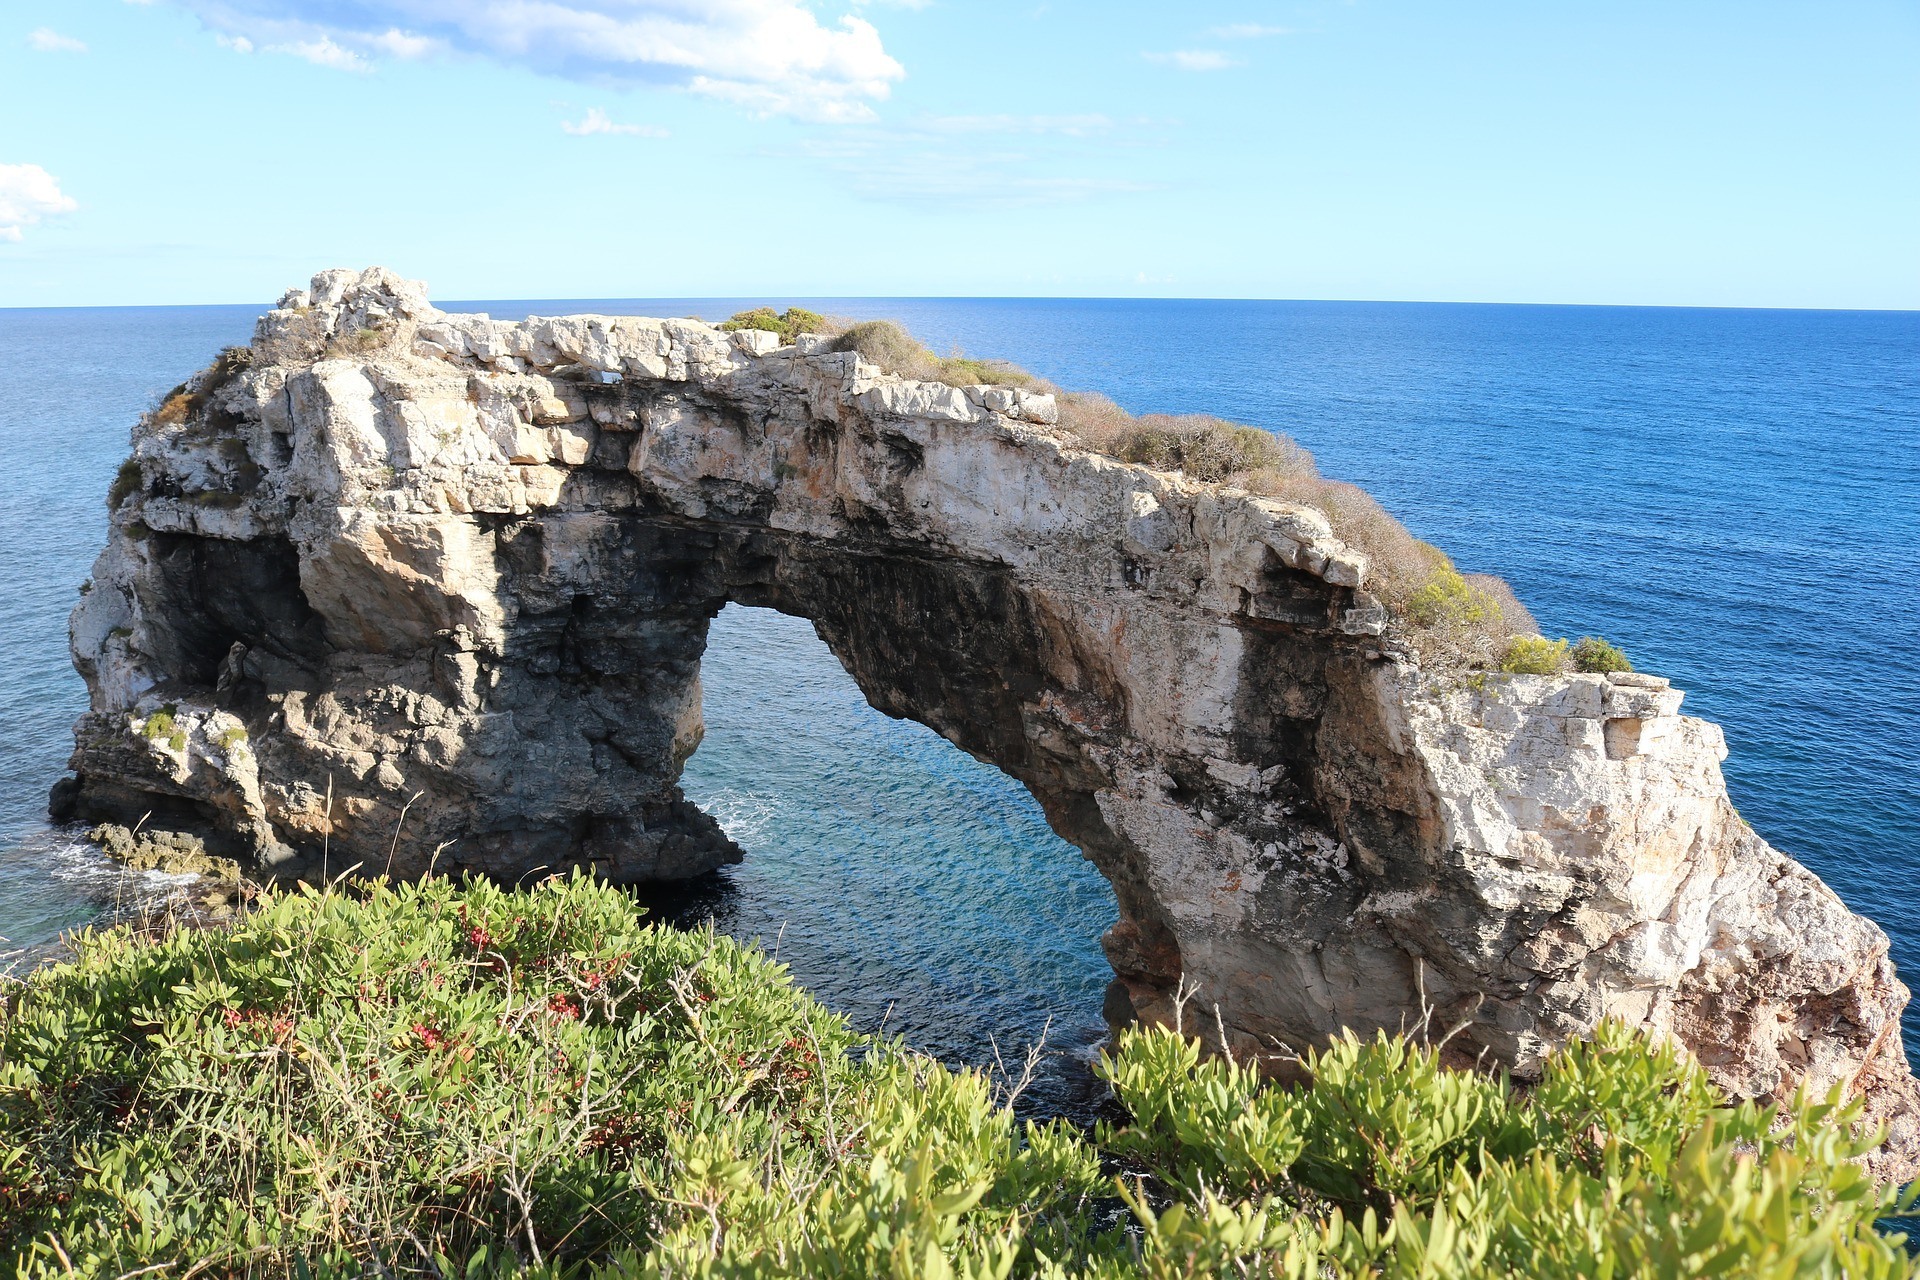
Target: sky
point(1683, 152)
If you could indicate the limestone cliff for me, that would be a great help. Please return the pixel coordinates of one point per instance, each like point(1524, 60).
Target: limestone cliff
point(406, 589)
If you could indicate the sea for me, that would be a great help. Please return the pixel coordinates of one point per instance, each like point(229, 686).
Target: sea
point(1731, 495)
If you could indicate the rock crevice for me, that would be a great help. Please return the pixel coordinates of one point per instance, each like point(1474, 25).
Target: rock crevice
point(431, 591)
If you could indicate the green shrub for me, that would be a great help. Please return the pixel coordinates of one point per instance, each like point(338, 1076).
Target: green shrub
point(1622, 1161)
point(232, 736)
point(1459, 619)
point(795, 322)
point(444, 1080)
point(1591, 653)
point(896, 351)
point(158, 725)
point(1535, 656)
point(126, 483)
point(459, 1081)
point(1448, 599)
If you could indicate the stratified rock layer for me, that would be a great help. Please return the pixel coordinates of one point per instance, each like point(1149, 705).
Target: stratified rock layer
point(422, 590)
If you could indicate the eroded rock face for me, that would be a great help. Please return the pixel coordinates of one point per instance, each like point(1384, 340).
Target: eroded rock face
point(453, 578)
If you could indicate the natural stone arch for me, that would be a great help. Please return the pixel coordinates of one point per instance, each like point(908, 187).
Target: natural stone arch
point(461, 570)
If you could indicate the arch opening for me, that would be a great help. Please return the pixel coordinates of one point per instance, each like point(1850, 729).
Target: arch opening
point(909, 886)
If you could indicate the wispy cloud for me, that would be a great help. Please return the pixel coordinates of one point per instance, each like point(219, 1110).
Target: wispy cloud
point(1193, 59)
point(47, 40)
point(597, 121)
point(772, 57)
point(28, 193)
point(1069, 126)
point(991, 161)
point(960, 181)
point(1249, 31)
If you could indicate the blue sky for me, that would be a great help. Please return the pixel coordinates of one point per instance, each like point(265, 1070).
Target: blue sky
point(1693, 153)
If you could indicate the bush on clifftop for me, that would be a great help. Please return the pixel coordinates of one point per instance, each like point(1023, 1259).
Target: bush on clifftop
point(884, 343)
point(1535, 656)
point(1539, 656)
point(796, 321)
point(1216, 451)
point(1591, 653)
point(456, 1081)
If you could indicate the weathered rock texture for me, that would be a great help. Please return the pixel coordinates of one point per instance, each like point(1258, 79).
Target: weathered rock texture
point(454, 576)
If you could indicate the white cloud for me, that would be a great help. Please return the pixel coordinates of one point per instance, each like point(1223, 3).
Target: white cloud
point(403, 44)
point(239, 44)
point(1248, 31)
point(989, 162)
point(770, 56)
point(597, 121)
point(1193, 59)
point(47, 40)
point(322, 52)
point(28, 193)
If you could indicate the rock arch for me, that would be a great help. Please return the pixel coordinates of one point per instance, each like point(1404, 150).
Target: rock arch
point(451, 578)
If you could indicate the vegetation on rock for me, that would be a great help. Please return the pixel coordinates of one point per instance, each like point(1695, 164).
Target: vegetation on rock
point(1539, 656)
point(172, 852)
point(1478, 614)
point(187, 400)
point(886, 344)
point(1535, 656)
point(456, 1081)
point(1591, 653)
point(796, 321)
point(126, 482)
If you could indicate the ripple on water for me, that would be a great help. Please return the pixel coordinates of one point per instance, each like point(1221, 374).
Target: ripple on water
point(55, 880)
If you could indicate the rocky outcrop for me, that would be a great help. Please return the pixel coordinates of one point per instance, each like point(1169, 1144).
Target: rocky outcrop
point(418, 590)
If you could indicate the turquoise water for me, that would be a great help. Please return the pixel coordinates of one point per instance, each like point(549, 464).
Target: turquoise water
point(1734, 496)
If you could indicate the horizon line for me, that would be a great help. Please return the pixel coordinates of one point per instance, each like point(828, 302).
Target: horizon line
point(451, 303)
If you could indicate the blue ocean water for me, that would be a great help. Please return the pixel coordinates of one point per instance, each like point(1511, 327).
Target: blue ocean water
point(1734, 496)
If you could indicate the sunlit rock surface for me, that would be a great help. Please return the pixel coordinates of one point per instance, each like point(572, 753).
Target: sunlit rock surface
point(427, 591)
